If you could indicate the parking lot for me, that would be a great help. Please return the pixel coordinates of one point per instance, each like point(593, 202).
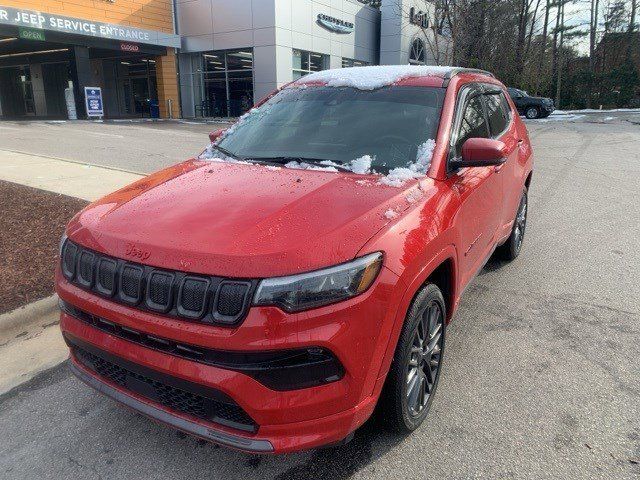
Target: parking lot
point(542, 369)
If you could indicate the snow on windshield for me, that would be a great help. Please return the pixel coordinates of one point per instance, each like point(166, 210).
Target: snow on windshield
point(398, 176)
point(371, 78)
point(362, 166)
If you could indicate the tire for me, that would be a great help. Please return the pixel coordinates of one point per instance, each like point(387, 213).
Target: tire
point(532, 112)
point(403, 405)
point(513, 246)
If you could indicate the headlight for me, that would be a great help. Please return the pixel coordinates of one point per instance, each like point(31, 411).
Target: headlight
point(322, 287)
point(61, 244)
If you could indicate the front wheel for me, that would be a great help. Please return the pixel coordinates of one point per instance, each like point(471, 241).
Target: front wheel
point(531, 113)
point(512, 247)
point(415, 370)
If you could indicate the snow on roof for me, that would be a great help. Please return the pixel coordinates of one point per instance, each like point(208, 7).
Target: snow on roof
point(373, 77)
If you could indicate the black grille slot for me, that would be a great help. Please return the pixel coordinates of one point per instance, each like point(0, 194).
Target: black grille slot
point(192, 297)
point(160, 291)
point(175, 398)
point(230, 300)
point(69, 260)
point(208, 299)
point(106, 277)
point(85, 266)
point(131, 283)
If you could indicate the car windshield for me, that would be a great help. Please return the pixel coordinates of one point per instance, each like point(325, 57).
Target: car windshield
point(339, 125)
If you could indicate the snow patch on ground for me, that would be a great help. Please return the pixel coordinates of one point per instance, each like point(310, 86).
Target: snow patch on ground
point(593, 110)
point(559, 118)
point(373, 77)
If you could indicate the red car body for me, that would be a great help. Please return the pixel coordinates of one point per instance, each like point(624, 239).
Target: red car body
point(248, 221)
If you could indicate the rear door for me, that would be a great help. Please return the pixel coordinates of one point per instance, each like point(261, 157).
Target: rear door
point(479, 188)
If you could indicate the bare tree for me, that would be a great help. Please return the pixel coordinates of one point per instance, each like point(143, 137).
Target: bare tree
point(593, 29)
point(543, 47)
point(560, 50)
point(632, 19)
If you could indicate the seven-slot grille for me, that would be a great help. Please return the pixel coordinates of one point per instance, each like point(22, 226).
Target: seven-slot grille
point(195, 297)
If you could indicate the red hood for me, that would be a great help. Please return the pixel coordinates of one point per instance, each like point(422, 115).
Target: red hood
point(239, 220)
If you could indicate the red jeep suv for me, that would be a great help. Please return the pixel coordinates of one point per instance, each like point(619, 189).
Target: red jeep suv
point(268, 294)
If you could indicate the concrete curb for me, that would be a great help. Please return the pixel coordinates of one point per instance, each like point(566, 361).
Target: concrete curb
point(77, 162)
point(27, 315)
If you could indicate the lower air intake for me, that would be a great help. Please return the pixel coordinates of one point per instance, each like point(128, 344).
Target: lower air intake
point(180, 400)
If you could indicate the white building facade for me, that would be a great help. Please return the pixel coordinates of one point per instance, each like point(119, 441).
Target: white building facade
point(235, 52)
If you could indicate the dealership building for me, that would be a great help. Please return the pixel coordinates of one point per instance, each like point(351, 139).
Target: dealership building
point(194, 58)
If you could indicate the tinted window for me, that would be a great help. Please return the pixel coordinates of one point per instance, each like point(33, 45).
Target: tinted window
point(497, 113)
point(473, 124)
point(341, 124)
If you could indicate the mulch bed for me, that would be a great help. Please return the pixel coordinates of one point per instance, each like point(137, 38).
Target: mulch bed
point(31, 224)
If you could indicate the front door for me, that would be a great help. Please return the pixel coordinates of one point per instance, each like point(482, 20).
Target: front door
point(479, 189)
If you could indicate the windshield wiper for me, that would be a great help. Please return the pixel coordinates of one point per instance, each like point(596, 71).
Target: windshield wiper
point(228, 153)
point(311, 161)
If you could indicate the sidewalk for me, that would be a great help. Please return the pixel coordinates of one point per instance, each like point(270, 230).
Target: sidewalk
point(30, 340)
point(78, 180)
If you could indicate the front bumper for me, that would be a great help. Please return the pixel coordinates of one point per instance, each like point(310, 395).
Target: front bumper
point(156, 413)
point(356, 331)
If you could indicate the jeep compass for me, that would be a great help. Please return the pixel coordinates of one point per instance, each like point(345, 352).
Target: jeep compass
point(270, 293)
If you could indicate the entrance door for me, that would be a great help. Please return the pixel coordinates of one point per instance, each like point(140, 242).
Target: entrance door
point(140, 96)
point(55, 77)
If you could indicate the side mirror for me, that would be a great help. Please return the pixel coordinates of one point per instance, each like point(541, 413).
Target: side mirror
point(213, 136)
point(481, 152)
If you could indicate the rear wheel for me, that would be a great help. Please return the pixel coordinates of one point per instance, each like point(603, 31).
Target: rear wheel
point(512, 247)
point(415, 370)
point(532, 112)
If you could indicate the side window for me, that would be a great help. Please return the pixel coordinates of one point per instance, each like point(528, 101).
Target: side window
point(497, 113)
point(473, 123)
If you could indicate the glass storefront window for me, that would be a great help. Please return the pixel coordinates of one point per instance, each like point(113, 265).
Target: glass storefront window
point(307, 62)
point(242, 60)
point(223, 83)
point(350, 62)
point(214, 62)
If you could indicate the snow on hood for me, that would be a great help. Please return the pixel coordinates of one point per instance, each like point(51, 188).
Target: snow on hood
point(373, 77)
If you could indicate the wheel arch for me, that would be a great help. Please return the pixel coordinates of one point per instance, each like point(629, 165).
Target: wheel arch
point(442, 271)
point(527, 182)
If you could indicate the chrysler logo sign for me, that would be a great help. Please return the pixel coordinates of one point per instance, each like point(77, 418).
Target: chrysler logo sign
point(334, 24)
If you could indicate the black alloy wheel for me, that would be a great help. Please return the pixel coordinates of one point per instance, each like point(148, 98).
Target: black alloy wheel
point(512, 247)
point(423, 364)
point(413, 377)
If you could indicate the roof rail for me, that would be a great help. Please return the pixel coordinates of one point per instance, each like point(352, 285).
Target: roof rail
point(458, 70)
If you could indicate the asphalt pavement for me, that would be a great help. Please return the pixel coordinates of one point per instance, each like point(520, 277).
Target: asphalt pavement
point(541, 376)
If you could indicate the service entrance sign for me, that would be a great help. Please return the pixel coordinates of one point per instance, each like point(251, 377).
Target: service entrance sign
point(93, 101)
